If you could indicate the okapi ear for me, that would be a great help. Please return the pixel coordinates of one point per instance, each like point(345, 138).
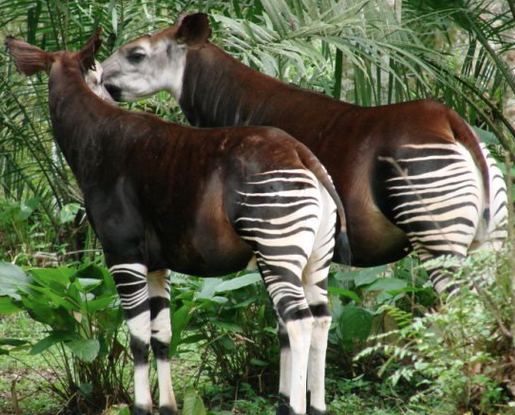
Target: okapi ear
point(193, 30)
point(87, 53)
point(28, 59)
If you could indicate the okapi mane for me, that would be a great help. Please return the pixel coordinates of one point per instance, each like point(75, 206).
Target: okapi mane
point(28, 59)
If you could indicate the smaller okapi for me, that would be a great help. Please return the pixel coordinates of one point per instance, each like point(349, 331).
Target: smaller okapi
point(205, 202)
point(411, 176)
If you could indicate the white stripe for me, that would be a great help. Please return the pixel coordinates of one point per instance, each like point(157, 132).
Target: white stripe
point(139, 268)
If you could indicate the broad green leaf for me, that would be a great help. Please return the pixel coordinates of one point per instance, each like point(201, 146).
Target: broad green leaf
point(7, 306)
point(355, 323)
point(118, 410)
point(98, 304)
point(88, 284)
point(257, 362)
point(86, 350)
point(234, 328)
point(54, 338)
point(387, 284)
point(238, 282)
point(28, 207)
point(56, 278)
point(43, 313)
point(180, 319)
point(12, 279)
point(91, 271)
point(346, 293)
point(207, 290)
point(226, 342)
point(68, 212)
point(486, 136)
point(368, 275)
point(86, 388)
point(56, 300)
point(193, 404)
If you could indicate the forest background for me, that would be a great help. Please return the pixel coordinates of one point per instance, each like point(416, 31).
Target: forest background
point(63, 345)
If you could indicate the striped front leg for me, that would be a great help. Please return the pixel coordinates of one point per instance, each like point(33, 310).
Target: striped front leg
point(131, 284)
point(159, 293)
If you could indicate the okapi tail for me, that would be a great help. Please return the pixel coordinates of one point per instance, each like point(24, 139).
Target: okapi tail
point(342, 250)
point(465, 135)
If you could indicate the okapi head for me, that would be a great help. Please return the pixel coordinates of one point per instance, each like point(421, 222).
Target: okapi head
point(30, 59)
point(152, 63)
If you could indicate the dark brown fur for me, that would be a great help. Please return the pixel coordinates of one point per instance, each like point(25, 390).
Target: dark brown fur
point(157, 193)
point(354, 143)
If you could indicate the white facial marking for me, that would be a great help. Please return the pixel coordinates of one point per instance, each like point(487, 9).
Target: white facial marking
point(95, 82)
point(145, 67)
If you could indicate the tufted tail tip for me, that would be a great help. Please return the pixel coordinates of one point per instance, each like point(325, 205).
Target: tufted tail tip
point(342, 252)
point(486, 215)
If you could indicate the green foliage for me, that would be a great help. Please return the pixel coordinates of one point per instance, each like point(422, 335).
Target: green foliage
point(457, 359)
point(365, 52)
point(193, 404)
point(357, 300)
point(81, 311)
point(233, 321)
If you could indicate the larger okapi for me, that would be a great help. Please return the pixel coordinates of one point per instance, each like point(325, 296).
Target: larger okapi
point(411, 175)
point(205, 202)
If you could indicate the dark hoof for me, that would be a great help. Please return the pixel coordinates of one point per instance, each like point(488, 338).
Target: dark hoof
point(283, 409)
point(314, 411)
point(141, 411)
point(166, 410)
point(284, 405)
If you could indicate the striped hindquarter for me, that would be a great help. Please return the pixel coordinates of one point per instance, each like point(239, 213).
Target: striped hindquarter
point(289, 220)
point(438, 198)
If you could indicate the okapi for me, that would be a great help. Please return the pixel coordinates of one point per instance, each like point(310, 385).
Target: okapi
point(412, 176)
point(204, 202)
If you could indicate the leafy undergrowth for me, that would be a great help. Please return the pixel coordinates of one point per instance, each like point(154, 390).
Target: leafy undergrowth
point(388, 353)
point(23, 378)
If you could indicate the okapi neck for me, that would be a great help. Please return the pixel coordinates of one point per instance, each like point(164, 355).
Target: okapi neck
point(218, 90)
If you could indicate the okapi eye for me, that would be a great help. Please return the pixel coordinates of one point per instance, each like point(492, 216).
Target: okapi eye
point(136, 57)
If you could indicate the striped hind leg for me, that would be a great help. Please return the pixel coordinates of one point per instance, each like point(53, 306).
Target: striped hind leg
point(279, 215)
point(161, 334)
point(131, 284)
point(439, 202)
point(314, 284)
point(496, 233)
point(295, 331)
point(314, 281)
point(282, 274)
